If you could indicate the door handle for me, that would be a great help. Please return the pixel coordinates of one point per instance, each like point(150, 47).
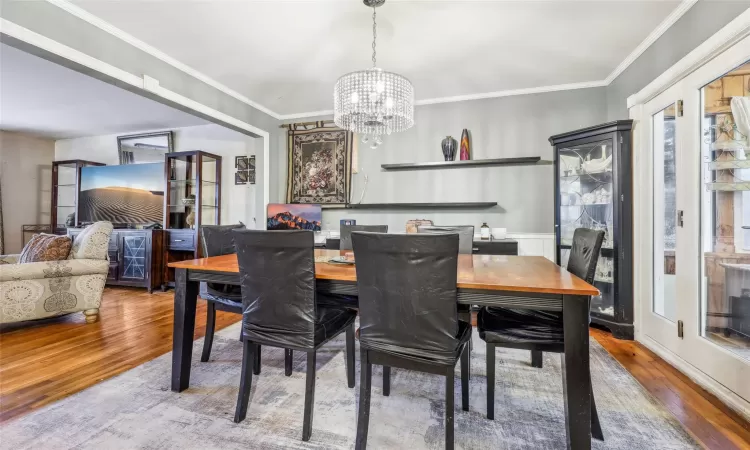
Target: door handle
point(680, 222)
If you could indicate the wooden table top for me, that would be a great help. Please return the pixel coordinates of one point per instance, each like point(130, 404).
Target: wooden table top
point(488, 272)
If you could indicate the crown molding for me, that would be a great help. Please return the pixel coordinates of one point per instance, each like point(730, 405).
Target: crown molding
point(662, 28)
point(86, 16)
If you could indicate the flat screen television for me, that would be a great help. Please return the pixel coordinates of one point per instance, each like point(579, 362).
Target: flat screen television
point(293, 216)
point(130, 194)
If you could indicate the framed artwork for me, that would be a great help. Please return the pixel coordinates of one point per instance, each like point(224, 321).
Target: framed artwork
point(240, 162)
point(251, 169)
point(144, 148)
point(240, 177)
point(319, 164)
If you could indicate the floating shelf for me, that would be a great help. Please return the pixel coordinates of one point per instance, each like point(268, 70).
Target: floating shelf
point(443, 205)
point(529, 160)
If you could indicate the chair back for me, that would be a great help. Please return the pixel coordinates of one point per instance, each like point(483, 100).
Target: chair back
point(216, 240)
point(407, 293)
point(277, 275)
point(465, 235)
point(584, 253)
point(346, 233)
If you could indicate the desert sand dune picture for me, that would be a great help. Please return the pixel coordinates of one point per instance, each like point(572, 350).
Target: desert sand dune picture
point(122, 205)
point(124, 194)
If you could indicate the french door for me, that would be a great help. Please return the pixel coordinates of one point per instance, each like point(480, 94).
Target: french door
point(693, 245)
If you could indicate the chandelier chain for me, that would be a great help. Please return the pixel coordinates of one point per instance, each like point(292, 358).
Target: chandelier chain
point(374, 36)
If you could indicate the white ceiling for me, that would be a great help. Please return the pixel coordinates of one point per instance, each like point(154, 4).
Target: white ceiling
point(286, 55)
point(45, 99)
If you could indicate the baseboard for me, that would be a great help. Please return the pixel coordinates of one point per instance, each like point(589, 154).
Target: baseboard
point(726, 396)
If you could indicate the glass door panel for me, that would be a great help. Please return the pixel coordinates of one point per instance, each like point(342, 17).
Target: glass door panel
point(586, 202)
point(725, 213)
point(665, 213)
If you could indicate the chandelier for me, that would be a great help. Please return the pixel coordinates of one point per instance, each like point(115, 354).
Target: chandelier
point(373, 102)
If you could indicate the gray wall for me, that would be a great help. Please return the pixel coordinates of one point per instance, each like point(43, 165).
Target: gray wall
point(703, 20)
point(54, 23)
point(500, 127)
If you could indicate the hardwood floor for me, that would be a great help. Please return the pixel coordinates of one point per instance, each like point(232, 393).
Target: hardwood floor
point(44, 361)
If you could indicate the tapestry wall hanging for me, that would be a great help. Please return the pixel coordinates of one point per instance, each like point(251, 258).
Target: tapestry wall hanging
point(319, 164)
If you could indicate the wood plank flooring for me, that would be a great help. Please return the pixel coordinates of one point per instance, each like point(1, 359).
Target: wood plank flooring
point(44, 361)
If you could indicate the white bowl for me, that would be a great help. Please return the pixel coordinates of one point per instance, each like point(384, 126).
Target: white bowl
point(499, 233)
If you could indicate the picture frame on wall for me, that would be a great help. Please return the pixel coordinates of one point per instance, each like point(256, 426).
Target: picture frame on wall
point(241, 177)
point(144, 148)
point(241, 162)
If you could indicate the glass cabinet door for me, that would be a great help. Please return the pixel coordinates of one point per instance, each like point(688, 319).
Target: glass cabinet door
point(586, 189)
point(133, 257)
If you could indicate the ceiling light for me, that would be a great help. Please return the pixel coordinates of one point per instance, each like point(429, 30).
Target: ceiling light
point(373, 102)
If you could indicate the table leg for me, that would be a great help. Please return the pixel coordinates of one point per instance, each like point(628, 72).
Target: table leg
point(576, 380)
point(185, 299)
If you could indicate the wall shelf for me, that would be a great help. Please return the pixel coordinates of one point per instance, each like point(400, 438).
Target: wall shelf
point(529, 160)
point(443, 205)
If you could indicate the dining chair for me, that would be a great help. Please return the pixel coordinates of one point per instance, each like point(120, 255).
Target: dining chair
point(216, 240)
point(539, 331)
point(465, 235)
point(407, 314)
point(277, 273)
point(346, 233)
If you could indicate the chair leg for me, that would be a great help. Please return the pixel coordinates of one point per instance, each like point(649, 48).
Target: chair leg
point(365, 389)
point(256, 361)
point(208, 340)
point(465, 375)
point(386, 381)
point(246, 382)
point(449, 409)
point(596, 427)
point(536, 359)
point(491, 381)
point(288, 357)
point(309, 396)
point(350, 356)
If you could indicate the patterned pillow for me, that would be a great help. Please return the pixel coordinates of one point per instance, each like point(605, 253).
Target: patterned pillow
point(93, 242)
point(45, 247)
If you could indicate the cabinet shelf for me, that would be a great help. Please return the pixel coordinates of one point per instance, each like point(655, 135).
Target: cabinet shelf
point(528, 160)
point(442, 205)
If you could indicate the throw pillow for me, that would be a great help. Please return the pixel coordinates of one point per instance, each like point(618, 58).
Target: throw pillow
point(45, 247)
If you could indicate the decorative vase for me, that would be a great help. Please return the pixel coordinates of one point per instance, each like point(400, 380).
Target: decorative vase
point(465, 148)
point(449, 148)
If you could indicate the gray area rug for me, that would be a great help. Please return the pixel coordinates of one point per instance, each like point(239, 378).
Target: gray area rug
point(137, 410)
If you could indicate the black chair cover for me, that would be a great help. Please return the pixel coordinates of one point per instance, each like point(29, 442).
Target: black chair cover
point(345, 242)
point(277, 272)
point(216, 240)
point(407, 295)
point(465, 235)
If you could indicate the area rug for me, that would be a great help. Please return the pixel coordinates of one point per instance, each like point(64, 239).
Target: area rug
point(137, 409)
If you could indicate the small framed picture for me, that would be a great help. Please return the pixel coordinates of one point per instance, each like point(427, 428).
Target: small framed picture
point(240, 162)
point(240, 177)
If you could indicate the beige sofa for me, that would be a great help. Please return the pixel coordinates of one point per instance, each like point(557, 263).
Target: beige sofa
point(46, 289)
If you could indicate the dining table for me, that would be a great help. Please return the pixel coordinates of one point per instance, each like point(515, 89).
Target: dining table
point(523, 282)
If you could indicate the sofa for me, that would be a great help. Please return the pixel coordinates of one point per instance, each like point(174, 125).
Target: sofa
point(45, 289)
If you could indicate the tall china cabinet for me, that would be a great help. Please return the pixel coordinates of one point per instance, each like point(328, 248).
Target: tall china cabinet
point(66, 187)
point(192, 198)
point(593, 189)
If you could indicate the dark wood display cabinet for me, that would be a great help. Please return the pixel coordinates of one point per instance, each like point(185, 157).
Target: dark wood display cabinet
point(136, 257)
point(593, 189)
point(66, 188)
point(192, 197)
